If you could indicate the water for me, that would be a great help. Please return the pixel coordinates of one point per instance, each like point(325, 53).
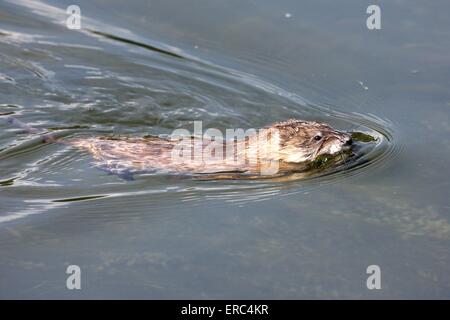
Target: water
point(149, 68)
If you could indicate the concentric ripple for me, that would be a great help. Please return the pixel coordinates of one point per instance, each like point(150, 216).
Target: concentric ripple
point(137, 87)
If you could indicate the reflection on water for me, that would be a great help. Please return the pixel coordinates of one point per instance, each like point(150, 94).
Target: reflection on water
point(125, 75)
point(135, 93)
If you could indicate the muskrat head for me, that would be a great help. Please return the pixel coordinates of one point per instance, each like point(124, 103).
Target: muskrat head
point(304, 141)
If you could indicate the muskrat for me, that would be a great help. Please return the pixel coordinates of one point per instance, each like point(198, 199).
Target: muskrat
point(290, 145)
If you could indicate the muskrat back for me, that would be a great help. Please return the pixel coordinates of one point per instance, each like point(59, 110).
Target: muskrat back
point(292, 143)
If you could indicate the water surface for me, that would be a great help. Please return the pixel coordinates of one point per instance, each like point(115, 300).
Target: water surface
point(148, 68)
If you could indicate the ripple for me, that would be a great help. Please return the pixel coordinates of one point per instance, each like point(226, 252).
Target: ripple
point(114, 88)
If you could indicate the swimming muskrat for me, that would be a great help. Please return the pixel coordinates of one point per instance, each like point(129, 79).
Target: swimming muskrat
point(291, 145)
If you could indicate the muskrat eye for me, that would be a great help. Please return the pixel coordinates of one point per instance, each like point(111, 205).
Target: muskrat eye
point(317, 138)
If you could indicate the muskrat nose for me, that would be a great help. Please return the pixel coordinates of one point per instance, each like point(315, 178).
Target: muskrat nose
point(348, 142)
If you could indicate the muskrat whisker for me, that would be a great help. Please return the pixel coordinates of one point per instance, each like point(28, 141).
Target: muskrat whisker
point(341, 153)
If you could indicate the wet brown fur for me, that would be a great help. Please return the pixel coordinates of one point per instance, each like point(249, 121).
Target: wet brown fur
point(293, 141)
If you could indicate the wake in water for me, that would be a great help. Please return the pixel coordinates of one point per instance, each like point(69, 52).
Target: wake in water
point(292, 146)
